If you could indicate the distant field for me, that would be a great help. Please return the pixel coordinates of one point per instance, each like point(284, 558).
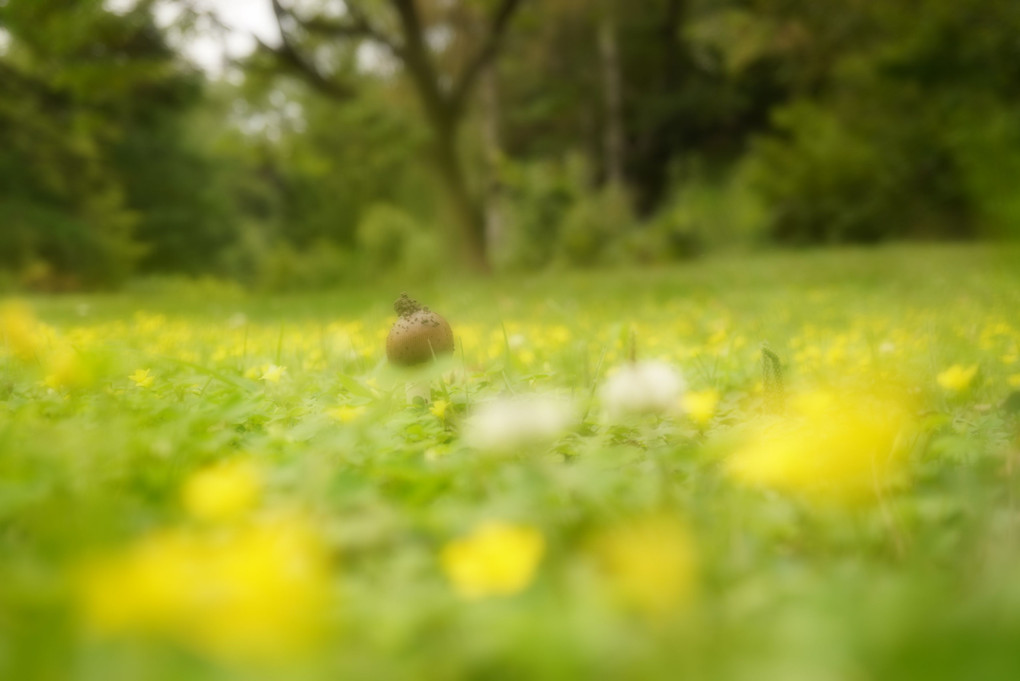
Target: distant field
point(611, 478)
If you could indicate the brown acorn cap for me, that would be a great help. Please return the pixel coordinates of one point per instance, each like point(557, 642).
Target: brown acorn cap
point(418, 335)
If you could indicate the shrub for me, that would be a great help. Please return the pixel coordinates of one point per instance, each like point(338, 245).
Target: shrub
point(593, 229)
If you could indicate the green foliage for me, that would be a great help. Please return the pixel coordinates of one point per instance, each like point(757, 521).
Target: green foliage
point(893, 138)
point(389, 239)
point(804, 123)
point(593, 227)
point(321, 266)
point(823, 182)
point(706, 213)
point(538, 196)
point(384, 234)
point(96, 172)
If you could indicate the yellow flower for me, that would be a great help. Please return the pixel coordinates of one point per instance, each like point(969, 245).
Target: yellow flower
point(700, 404)
point(346, 413)
point(439, 408)
point(497, 559)
point(829, 448)
point(19, 330)
point(650, 564)
point(223, 492)
point(142, 378)
point(66, 368)
point(252, 593)
point(1014, 380)
point(272, 373)
point(957, 378)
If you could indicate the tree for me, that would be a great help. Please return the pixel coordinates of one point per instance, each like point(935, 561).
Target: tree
point(420, 48)
point(96, 174)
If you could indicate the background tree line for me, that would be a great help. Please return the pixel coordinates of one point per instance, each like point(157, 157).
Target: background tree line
point(508, 134)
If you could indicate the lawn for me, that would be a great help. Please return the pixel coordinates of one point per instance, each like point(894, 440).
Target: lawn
point(786, 466)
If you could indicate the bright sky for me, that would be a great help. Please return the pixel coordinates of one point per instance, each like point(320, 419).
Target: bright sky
point(211, 48)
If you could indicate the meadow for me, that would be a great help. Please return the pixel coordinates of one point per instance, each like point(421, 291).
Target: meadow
point(786, 466)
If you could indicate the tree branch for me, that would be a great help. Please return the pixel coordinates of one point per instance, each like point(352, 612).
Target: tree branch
point(291, 57)
point(358, 25)
point(418, 61)
point(490, 47)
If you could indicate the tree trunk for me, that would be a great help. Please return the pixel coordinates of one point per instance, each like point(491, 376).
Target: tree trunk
point(494, 226)
point(444, 101)
point(609, 58)
point(467, 210)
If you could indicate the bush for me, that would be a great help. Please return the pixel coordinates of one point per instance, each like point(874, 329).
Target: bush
point(539, 195)
point(593, 229)
point(705, 214)
point(383, 234)
point(823, 182)
point(324, 265)
point(390, 239)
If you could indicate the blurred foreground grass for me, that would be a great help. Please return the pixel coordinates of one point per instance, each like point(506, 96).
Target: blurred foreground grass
point(199, 484)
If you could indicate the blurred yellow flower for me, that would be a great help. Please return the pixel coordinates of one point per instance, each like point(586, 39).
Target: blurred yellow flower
point(650, 564)
point(439, 408)
point(1014, 380)
point(253, 593)
point(142, 378)
point(346, 413)
point(497, 559)
point(223, 492)
point(20, 332)
point(700, 404)
point(957, 378)
point(831, 447)
point(66, 368)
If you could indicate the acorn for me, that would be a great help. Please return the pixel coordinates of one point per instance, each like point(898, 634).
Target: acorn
point(418, 335)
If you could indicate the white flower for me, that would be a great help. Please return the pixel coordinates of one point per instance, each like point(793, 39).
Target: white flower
point(272, 373)
point(514, 423)
point(517, 341)
point(641, 388)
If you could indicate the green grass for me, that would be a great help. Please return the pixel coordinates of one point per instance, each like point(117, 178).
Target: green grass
point(915, 577)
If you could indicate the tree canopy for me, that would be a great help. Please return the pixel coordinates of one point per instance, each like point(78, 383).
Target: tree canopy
point(497, 133)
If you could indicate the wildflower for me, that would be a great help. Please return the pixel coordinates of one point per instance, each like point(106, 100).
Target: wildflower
point(223, 492)
point(559, 335)
point(831, 447)
point(510, 424)
point(142, 378)
point(272, 373)
point(346, 413)
point(66, 368)
point(645, 387)
point(438, 409)
point(700, 405)
point(497, 559)
point(253, 593)
point(1014, 380)
point(19, 330)
point(650, 564)
point(957, 378)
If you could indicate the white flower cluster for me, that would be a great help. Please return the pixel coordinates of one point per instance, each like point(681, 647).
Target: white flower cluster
point(647, 387)
point(511, 424)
